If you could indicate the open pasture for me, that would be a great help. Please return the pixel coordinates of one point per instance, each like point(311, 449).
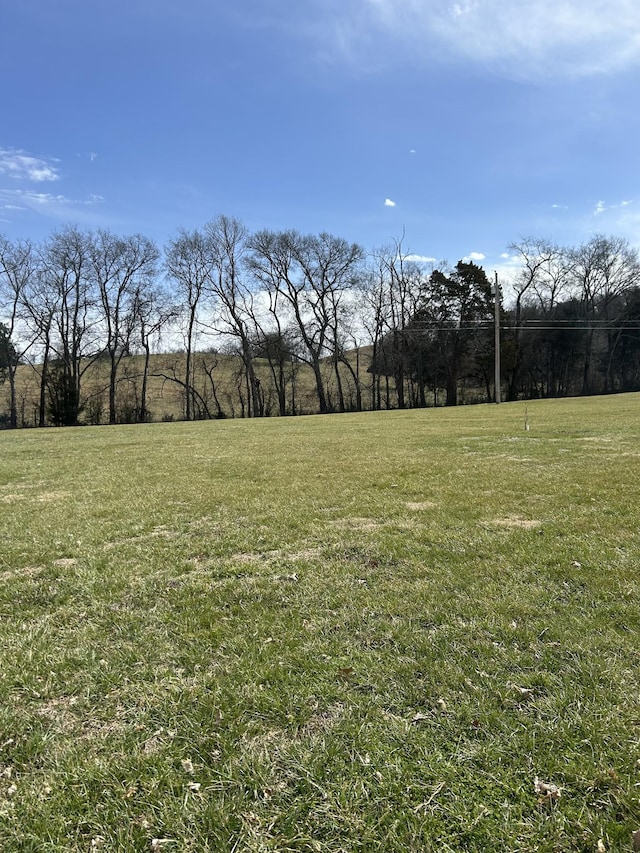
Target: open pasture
point(399, 631)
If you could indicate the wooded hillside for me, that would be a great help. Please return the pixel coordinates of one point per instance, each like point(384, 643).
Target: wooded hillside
point(292, 324)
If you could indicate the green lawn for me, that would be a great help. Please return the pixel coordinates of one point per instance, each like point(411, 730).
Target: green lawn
point(362, 632)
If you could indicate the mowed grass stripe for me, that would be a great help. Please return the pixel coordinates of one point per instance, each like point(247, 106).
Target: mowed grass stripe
point(360, 632)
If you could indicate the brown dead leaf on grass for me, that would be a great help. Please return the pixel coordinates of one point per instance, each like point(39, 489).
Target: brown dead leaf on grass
point(547, 791)
point(524, 693)
point(153, 744)
point(635, 839)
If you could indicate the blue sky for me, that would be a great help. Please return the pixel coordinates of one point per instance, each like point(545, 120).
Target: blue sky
point(462, 125)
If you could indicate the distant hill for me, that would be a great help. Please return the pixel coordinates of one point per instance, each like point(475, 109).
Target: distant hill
point(219, 383)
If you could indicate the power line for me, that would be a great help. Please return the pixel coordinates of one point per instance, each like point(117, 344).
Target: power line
point(538, 328)
point(536, 325)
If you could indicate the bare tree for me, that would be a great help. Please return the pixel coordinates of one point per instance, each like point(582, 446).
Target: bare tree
point(40, 309)
point(544, 272)
point(373, 314)
point(232, 298)
point(307, 275)
point(331, 266)
point(279, 347)
point(189, 264)
point(16, 272)
point(152, 311)
point(75, 334)
point(398, 288)
point(274, 340)
point(121, 267)
point(603, 269)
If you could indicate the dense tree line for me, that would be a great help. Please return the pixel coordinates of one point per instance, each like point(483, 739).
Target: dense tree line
point(373, 330)
point(575, 324)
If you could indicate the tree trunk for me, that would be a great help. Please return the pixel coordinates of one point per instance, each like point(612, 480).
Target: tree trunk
point(42, 406)
point(142, 412)
point(336, 368)
point(13, 408)
point(112, 388)
point(452, 391)
point(322, 399)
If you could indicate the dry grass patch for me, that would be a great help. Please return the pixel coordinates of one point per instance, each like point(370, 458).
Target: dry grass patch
point(52, 497)
point(321, 722)
point(367, 525)
point(24, 572)
point(514, 521)
point(61, 713)
point(277, 555)
point(13, 498)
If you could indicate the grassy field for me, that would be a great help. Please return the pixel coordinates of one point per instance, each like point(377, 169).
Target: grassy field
point(406, 631)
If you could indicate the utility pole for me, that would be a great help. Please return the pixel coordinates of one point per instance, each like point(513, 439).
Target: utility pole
point(496, 292)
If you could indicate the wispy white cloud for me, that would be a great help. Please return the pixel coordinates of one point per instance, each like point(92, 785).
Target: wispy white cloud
point(601, 207)
point(474, 256)
point(621, 218)
point(559, 207)
point(87, 155)
point(420, 259)
point(19, 165)
point(20, 195)
point(44, 202)
point(531, 39)
point(389, 203)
